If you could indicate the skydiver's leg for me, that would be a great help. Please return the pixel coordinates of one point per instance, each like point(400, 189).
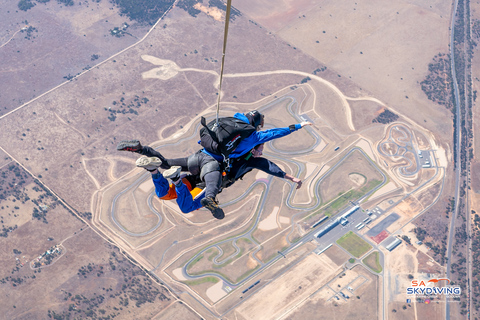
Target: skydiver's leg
point(185, 201)
point(166, 163)
point(180, 162)
point(210, 171)
point(213, 181)
point(161, 184)
point(136, 146)
point(150, 152)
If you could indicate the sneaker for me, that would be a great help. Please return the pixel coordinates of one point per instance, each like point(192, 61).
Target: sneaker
point(213, 206)
point(148, 163)
point(173, 173)
point(130, 145)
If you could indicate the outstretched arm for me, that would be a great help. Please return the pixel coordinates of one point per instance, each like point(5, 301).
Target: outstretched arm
point(260, 137)
point(293, 179)
point(264, 165)
point(270, 134)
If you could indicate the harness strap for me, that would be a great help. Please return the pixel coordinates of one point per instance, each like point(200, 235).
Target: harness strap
point(227, 21)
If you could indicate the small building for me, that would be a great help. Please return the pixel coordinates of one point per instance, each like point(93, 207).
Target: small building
point(395, 243)
point(327, 228)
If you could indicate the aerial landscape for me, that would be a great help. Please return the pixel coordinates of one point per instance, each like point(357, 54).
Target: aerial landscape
point(384, 226)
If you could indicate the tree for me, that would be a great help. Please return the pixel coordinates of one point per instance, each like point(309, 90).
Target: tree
point(24, 5)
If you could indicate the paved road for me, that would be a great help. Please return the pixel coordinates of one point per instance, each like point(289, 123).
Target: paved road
point(404, 145)
point(457, 149)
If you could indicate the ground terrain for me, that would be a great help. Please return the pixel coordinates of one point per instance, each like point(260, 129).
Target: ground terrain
point(72, 90)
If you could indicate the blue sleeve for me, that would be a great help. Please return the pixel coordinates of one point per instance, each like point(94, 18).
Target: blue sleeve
point(259, 137)
point(270, 134)
point(185, 201)
point(161, 184)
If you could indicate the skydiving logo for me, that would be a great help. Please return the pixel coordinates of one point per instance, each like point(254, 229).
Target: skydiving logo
point(231, 143)
point(422, 288)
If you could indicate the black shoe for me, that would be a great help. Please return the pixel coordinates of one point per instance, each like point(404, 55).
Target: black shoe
point(130, 145)
point(212, 205)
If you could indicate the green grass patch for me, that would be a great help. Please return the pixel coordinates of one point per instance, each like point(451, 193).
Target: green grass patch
point(246, 274)
point(354, 244)
point(245, 239)
point(191, 264)
point(213, 255)
point(201, 280)
point(238, 255)
point(373, 262)
point(354, 194)
point(211, 271)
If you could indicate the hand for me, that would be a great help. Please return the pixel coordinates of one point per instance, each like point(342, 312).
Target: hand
point(298, 182)
point(305, 123)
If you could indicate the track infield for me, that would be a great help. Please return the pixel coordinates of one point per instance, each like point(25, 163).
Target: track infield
point(354, 244)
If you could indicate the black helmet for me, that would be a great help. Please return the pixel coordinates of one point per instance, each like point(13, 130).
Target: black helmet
point(255, 118)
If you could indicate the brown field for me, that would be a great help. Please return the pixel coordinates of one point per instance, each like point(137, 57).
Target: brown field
point(280, 117)
point(395, 311)
point(427, 266)
point(65, 39)
point(350, 38)
point(371, 262)
point(341, 181)
point(363, 111)
point(83, 248)
point(292, 287)
point(177, 310)
point(475, 173)
point(333, 112)
point(362, 303)
point(337, 255)
point(233, 267)
point(413, 205)
point(435, 309)
point(271, 247)
point(227, 249)
point(4, 159)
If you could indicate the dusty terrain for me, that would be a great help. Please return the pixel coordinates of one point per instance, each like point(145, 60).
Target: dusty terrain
point(72, 91)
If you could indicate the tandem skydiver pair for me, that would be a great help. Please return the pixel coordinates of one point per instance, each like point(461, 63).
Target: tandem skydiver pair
point(206, 167)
